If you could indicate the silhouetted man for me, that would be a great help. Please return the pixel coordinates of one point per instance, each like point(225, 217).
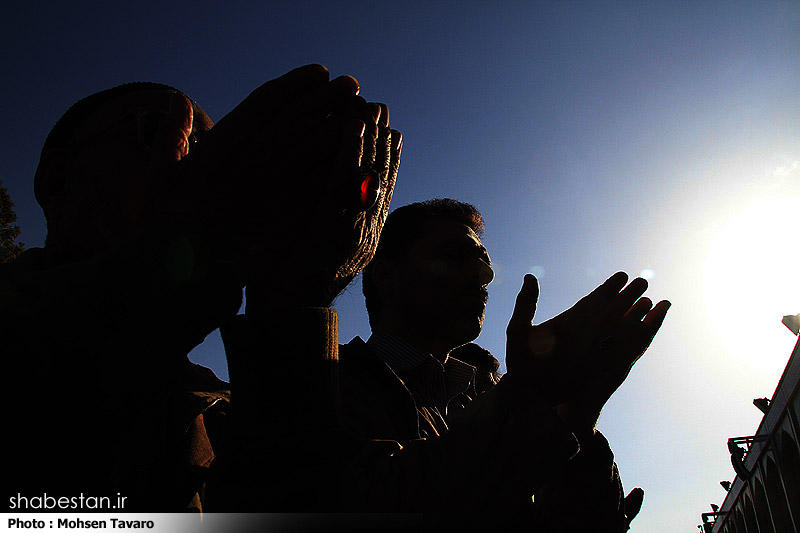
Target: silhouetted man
point(532, 433)
point(156, 221)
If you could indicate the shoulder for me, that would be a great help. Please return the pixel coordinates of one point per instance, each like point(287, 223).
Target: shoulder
point(202, 380)
point(14, 276)
point(361, 366)
point(375, 401)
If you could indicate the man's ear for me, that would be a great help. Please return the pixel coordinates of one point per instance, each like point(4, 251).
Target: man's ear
point(50, 181)
point(382, 273)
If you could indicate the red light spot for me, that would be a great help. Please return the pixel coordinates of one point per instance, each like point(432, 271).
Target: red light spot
point(370, 189)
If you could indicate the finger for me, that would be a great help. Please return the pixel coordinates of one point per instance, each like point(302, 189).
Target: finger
point(275, 97)
point(371, 135)
point(394, 164)
point(344, 86)
point(643, 335)
point(300, 127)
point(383, 149)
point(384, 115)
point(388, 179)
point(383, 143)
point(295, 82)
point(655, 317)
point(352, 151)
point(311, 120)
point(350, 181)
point(339, 98)
point(622, 303)
point(305, 124)
point(375, 110)
point(597, 300)
point(362, 192)
point(344, 183)
point(525, 305)
point(638, 310)
point(397, 148)
point(315, 121)
point(352, 146)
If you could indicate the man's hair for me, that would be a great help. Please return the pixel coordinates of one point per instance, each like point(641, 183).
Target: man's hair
point(402, 227)
point(62, 133)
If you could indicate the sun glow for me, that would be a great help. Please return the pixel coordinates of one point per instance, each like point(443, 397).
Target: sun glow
point(752, 279)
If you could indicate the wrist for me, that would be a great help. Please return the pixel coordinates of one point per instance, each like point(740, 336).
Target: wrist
point(580, 419)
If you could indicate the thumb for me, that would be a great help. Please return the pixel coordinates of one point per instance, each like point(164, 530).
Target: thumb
point(633, 504)
point(525, 306)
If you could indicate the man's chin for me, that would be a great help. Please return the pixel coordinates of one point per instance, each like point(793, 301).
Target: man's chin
point(469, 330)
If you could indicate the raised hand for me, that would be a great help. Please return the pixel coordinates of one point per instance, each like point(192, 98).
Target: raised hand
point(339, 231)
point(583, 355)
point(348, 231)
point(633, 504)
point(299, 177)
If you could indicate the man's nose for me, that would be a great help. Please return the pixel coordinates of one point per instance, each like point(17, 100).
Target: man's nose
point(485, 273)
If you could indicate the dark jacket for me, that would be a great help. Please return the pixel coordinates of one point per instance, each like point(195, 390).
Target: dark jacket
point(105, 401)
point(486, 490)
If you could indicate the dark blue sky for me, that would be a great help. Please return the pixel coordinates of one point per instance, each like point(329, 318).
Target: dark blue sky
point(594, 136)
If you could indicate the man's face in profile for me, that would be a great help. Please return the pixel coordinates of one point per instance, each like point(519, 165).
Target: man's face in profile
point(112, 154)
point(442, 281)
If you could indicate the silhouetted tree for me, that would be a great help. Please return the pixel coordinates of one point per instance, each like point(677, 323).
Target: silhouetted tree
point(8, 231)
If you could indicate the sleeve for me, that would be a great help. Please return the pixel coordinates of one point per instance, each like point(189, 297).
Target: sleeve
point(503, 447)
point(291, 452)
point(586, 495)
point(284, 437)
point(159, 293)
point(86, 342)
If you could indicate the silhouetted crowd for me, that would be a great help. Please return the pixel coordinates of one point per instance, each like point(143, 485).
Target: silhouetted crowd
point(158, 220)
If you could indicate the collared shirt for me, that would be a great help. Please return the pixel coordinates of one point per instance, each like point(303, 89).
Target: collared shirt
point(431, 383)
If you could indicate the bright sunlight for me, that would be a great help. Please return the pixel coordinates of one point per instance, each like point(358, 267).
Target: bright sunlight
point(752, 279)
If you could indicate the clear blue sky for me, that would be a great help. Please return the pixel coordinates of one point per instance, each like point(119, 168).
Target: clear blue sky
point(656, 137)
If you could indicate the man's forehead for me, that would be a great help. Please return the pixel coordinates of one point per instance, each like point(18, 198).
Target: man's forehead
point(438, 230)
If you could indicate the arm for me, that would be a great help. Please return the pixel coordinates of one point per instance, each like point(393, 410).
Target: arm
point(110, 329)
point(299, 175)
point(578, 359)
point(331, 166)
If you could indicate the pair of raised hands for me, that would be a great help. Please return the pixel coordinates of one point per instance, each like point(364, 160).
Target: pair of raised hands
point(297, 179)
point(577, 359)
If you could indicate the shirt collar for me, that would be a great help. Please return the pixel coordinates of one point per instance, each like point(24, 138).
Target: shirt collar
point(397, 353)
point(405, 358)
